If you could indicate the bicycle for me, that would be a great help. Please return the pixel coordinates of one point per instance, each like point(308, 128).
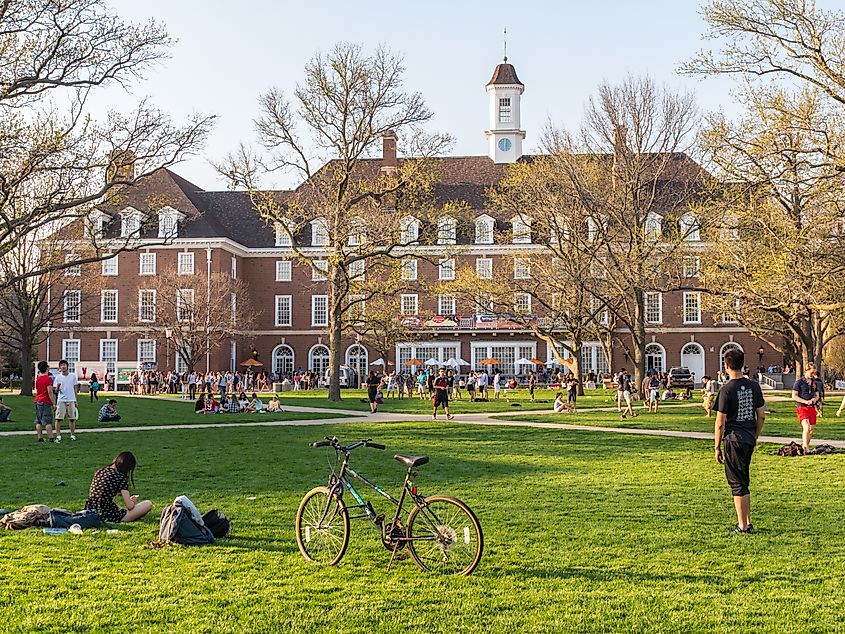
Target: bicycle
point(442, 533)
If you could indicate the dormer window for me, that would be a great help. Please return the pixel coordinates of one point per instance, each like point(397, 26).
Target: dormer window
point(521, 230)
point(484, 230)
point(130, 223)
point(690, 228)
point(410, 230)
point(97, 223)
point(282, 235)
point(653, 226)
point(447, 230)
point(592, 229)
point(168, 222)
point(319, 233)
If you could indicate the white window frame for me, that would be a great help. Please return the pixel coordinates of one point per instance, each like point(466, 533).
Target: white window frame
point(409, 304)
point(410, 269)
point(319, 233)
point(315, 301)
point(409, 230)
point(75, 270)
point(282, 237)
point(485, 228)
point(446, 305)
point(72, 359)
point(688, 305)
point(447, 230)
point(109, 266)
point(653, 226)
point(284, 270)
point(522, 268)
point(692, 266)
point(283, 303)
point(446, 269)
point(184, 305)
point(356, 270)
point(731, 318)
point(234, 267)
point(147, 263)
point(525, 300)
point(72, 309)
point(111, 362)
point(505, 110)
point(185, 263)
point(131, 223)
point(319, 270)
point(146, 292)
point(153, 345)
point(521, 230)
point(168, 225)
point(484, 268)
point(659, 308)
point(111, 293)
point(690, 228)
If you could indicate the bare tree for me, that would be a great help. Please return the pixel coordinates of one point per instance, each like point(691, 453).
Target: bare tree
point(193, 313)
point(380, 324)
point(53, 57)
point(356, 213)
point(636, 194)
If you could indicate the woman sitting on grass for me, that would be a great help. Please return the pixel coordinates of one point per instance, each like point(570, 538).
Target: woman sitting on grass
point(199, 406)
point(559, 405)
point(256, 405)
point(211, 406)
point(107, 483)
point(274, 405)
point(244, 404)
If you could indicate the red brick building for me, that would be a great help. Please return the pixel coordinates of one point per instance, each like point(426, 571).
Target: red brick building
point(220, 232)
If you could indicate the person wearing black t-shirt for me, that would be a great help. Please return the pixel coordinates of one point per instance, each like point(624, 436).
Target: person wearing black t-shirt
point(441, 394)
point(740, 414)
point(373, 382)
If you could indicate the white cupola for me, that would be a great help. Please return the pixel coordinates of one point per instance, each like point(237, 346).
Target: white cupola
point(504, 138)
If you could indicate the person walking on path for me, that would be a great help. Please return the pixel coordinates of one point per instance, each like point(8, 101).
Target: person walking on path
point(805, 393)
point(66, 386)
point(625, 390)
point(373, 382)
point(653, 387)
point(740, 415)
point(532, 384)
point(441, 394)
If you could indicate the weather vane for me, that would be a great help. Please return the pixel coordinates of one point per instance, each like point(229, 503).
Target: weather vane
point(505, 38)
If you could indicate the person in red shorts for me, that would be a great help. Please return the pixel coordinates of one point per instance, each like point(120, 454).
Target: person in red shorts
point(805, 393)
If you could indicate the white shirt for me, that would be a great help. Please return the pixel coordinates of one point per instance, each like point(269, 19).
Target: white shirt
point(482, 379)
point(66, 387)
point(497, 379)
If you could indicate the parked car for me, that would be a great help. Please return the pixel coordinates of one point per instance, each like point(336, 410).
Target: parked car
point(681, 378)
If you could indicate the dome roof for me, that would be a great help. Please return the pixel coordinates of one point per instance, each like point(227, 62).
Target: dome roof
point(505, 74)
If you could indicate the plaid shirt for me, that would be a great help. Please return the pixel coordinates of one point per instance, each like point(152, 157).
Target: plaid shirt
point(233, 407)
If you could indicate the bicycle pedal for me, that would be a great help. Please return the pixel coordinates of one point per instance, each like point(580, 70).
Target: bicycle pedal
point(378, 520)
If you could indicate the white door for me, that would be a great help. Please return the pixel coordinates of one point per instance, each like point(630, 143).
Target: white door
point(692, 357)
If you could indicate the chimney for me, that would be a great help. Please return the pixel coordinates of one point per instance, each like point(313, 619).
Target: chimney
point(388, 151)
point(121, 166)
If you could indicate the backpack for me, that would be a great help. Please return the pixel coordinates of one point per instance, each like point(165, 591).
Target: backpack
point(180, 525)
point(219, 525)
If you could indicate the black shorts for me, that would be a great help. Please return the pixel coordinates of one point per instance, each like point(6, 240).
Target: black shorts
point(441, 399)
point(737, 457)
point(371, 394)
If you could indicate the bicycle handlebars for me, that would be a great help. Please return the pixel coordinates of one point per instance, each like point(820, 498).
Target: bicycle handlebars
point(332, 441)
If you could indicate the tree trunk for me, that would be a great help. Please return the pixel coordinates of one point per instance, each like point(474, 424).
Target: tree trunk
point(577, 370)
point(26, 371)
point(335, 333)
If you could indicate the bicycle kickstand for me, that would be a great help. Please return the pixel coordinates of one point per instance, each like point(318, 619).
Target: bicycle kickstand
point(393, 555)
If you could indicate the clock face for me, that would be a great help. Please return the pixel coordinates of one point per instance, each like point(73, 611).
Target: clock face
point(505, 145)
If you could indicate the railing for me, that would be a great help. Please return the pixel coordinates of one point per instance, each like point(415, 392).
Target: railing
point(770, 383)
point(457, 322)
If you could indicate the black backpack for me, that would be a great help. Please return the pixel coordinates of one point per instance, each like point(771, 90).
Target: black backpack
point(219, 525)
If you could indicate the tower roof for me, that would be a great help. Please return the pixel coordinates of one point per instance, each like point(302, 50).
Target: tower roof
point(505, 74)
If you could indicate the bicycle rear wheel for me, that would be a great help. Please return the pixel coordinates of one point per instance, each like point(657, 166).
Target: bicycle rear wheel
point(322, 527)
point(445, 536)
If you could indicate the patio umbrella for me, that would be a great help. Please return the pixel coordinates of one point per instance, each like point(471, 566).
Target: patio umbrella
point(538, 362)
point(432, 361)
point(451, 362)
point(414, 362)
point(525, 361)
point(378, 361)
point(490, 361)
point(252, 363)
point(462, 362)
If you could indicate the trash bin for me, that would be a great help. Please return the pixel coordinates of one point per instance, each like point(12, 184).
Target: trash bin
point(277, 387)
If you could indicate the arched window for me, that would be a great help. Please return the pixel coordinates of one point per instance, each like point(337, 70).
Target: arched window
point(653, 227)
point(283, 360)
point(655, 357)
point(730, 345)
point(484, 230)
point(318, 360)
point(690, 228)
point(358, 359)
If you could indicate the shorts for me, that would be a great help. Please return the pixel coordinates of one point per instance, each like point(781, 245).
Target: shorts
point(43, 414)
point(371, 394)
point(627, 396)
point(66, 408)
point(806, 412)
point(441, 399)
point(737, 457)
point(654, 395)
point(571, 397)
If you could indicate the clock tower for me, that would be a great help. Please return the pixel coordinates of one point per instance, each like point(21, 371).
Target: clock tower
point(504, 138)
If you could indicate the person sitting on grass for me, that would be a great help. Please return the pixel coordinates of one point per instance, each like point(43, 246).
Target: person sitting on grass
point(108, 412)
point(107, 483)
point(5, 411)
point(211, 406)
point(199, 406)
point(559, 405)
point(274, 405)
point(231, 406)
point(243, 403)
point(256, 405)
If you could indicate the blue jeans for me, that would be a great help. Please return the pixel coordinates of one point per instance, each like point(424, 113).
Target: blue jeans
point(4, 415)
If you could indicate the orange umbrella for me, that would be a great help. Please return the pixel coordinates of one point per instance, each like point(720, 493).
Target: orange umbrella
point(490, 361)
point(414, 362)
point(252, 363)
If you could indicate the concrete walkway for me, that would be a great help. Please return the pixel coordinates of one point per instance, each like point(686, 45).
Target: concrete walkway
point(479, 418)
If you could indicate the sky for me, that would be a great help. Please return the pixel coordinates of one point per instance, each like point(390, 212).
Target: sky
point(228, 53)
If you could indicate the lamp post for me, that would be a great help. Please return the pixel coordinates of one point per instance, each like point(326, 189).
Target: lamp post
point(168, 334)
point(760, 353)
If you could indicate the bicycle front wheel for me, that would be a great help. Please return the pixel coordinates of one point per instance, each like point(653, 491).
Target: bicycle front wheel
point(445, 536)
point(322, 527)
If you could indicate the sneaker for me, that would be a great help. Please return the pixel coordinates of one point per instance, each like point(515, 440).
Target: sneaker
point(624, 416)
point(73, 437)
point(58, 439)
point(40, 440)
point(742, 531)
point(450, 417)
point(53, 440)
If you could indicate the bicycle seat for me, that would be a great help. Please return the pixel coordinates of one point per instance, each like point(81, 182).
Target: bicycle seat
point(412, 461)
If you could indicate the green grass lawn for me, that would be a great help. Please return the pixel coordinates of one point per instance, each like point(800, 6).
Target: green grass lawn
point(140, 411)
point(781, 422)
point(584, 532)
